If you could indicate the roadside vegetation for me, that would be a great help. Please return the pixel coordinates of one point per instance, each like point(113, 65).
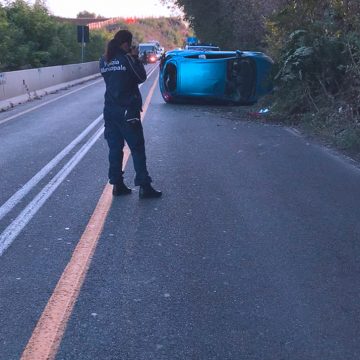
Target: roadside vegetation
point(31, 37)
point(316, 48)
point(170, 32)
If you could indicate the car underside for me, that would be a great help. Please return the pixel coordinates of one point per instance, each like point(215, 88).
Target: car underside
point(215, 77)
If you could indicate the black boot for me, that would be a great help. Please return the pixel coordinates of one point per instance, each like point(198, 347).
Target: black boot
point(120, 189)
point(147, 192)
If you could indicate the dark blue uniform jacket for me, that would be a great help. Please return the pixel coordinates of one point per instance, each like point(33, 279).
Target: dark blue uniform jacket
point(122, 76)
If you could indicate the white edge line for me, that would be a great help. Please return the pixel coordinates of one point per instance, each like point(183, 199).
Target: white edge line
point(25, 189)
point(151, 71)
point(11, 232)
point(16, 226)
point(46, 103)
point(293, 131)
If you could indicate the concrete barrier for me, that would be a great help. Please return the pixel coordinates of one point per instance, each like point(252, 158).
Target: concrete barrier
point(29, 84)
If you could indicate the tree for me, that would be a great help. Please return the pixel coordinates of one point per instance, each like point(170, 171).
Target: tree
point(86, 15)
point(5, 39)
point(30, 37)
point(230, 24)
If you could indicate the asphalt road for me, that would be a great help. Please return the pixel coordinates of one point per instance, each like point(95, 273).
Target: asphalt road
point(252, 252)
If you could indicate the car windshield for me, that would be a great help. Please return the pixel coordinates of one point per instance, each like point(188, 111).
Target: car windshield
point(147, 48)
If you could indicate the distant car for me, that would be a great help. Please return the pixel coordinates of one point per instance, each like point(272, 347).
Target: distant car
point(237, 77)
point(152, 58)
point(161, 51)
point(148, 53)
point(156, 49)
point(148, 57)
point(148, 48)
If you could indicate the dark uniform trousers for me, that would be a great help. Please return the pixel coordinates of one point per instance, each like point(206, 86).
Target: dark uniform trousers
point(117, 131)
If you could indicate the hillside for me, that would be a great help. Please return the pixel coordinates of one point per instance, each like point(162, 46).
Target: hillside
point(170, 32)
point(31, 37)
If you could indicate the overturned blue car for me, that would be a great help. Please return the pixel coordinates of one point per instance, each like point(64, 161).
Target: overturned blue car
point(231, 77)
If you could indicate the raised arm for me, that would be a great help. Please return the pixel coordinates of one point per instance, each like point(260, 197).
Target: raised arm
point(137, 68)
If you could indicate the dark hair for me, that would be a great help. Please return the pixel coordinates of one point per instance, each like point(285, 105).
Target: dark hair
point(121, 37)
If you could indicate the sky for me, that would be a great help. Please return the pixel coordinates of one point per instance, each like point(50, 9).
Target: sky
point(108, 8)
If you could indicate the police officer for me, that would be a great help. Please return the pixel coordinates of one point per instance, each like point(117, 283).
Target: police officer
point(123, 71)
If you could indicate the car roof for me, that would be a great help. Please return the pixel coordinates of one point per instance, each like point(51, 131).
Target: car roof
point(202, 46)
point(197, 52)
point(191, 53)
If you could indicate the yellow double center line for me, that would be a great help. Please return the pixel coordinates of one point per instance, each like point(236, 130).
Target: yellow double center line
point(47, 335)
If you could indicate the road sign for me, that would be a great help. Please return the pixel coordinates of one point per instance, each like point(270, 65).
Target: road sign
point(191, 40)
point(83, 38)
point(82, 34)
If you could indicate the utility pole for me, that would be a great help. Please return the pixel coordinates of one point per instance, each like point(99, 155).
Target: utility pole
point(82, 44)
